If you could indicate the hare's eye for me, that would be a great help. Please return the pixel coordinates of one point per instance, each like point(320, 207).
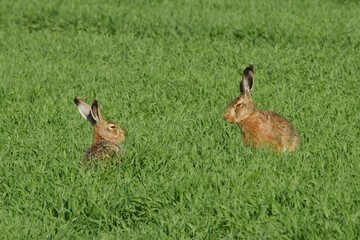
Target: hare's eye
point(112, 127)
point(238, 105)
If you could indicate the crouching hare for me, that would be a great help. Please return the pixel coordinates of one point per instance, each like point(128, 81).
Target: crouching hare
point(259, 127)
point(106, 135)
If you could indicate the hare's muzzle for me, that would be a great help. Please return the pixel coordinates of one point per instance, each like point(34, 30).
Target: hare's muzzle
point(228, 117)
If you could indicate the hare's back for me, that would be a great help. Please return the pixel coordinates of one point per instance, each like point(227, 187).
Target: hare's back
point(276, 120)
point(103, 150)
point(282, 130)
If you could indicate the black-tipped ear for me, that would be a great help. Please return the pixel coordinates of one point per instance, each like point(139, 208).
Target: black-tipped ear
point(85, 110)
point(247, 80)
point(95, 111)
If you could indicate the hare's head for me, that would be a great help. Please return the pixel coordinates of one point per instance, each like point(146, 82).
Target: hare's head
point(242, 106)
point(102, 129)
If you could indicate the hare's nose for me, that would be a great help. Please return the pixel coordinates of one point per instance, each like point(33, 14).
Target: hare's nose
point(225, 118)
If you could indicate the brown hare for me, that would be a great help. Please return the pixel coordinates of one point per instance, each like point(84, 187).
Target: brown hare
point(106, 135)
point(259, 128)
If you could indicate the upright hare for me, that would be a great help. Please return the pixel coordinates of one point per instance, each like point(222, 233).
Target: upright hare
point(106, 135)
point(259, 127)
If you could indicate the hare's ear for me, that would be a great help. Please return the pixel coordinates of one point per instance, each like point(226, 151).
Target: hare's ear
point(95, 111)
point(247, 80)
point(85, 110)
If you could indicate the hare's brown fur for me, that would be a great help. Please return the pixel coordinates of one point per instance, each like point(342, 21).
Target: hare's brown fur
point(260, 127)
point(106, 134)
point(102, 150)
point(269, 128)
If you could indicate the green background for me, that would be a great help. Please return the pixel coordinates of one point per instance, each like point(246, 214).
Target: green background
point(165, 71)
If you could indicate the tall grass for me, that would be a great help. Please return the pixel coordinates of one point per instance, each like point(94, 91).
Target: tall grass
point(165, 71)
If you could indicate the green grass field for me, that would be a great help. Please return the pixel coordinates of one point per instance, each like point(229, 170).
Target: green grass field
point(165, 71)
